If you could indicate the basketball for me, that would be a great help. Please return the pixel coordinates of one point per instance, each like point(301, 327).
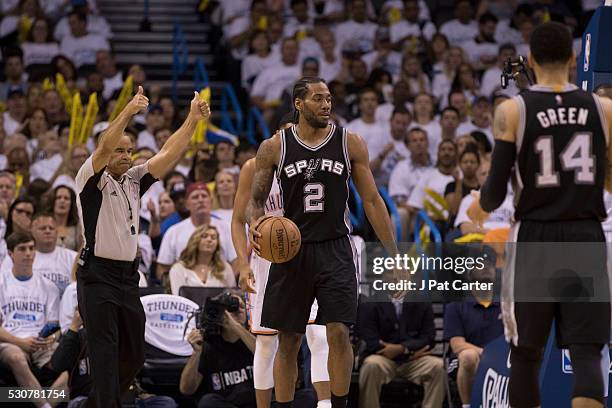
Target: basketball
point(280, 239)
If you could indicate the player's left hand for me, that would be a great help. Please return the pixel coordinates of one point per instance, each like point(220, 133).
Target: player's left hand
point(475, 211)
point(199, 108)
point(254, 235)
point(246, 280)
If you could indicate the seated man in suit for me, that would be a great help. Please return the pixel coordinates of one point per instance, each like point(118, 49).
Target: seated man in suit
point(399, 337)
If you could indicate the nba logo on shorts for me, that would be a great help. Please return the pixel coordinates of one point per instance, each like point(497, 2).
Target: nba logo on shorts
point(566, 362)
point(216, 382)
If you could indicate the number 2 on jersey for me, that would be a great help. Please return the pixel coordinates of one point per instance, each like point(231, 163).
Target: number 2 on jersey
point(313, 197)
point(576, 156)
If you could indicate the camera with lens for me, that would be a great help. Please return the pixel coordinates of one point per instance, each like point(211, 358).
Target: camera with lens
point(515, 69)
point(210, 318)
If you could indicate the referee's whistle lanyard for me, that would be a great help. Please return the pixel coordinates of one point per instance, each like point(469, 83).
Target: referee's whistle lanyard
point(132, 228)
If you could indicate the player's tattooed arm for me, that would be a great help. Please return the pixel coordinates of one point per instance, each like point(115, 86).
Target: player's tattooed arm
point(606, 104)
point(265, 163)
point(505, 121)
point(373, 204)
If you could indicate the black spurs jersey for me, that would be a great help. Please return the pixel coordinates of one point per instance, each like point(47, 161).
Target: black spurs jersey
point(314, 184)
point(562, 154)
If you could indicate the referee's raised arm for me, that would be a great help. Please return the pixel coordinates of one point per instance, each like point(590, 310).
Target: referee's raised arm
point(112, 135)
point(173, 149)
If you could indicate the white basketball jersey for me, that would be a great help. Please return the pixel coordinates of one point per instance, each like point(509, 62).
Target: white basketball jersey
point(274, 203)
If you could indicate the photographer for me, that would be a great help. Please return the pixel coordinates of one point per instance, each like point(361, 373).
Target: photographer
point(222, 358)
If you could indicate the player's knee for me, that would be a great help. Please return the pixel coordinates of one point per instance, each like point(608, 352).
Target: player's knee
point(469, 360)
point(289, 343)
point(522, 354)
point(266, 346)
point(337, 336)
point(317, 339)
point(586, 359)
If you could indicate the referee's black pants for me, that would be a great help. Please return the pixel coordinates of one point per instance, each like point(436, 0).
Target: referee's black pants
point(114, 321)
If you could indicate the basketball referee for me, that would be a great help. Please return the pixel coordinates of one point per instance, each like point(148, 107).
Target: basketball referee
point(109, 192)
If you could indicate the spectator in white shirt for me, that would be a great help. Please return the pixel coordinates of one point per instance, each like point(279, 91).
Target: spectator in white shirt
point(7, 195)
point(443, 79)
point(429, 192)
point(300, 22)
point(411, 26)
point(507, 31)
point(407, 173)
point(80, 45)
point(482, 49)
point(482, 117)
point(400, 97)
point(199, 203)
point(383, 56)
point(259, 58)
point(224, 154)
point(413, 74)
point(357, 29)
point(463, 27)
point(423, 115)
point(96, 24)
point(238, 31)
point(200, 263)
point(224, 193)
point(154, 121)
point(16, 112)
point(39, 47)
point(373, 132)
point(526, 28)
point(500, 218)
point(437, 52)
point(65, 175)
point(490, 82)
point(395, 151)
point(15, 76)
point(449, 122)
point(107, 67)
point(51, 261)
point(330, 62)
point(272, 81)
point(28, 302)
point(458, 100)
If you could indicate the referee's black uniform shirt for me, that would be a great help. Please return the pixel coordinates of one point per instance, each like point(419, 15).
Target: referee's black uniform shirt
point(107, 282)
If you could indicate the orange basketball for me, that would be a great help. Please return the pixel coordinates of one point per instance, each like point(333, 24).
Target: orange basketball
point(280, 239)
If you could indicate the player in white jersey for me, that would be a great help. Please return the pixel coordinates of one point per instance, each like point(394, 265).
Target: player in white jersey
point(256, 273)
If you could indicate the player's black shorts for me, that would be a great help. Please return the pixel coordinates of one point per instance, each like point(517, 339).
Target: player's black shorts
point(322, 270)
point(576, 321)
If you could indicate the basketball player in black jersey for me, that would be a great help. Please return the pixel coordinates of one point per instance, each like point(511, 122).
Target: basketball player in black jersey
point(557, 138)
point(315, 160)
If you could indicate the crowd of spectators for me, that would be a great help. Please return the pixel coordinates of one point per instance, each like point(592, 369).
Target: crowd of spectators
point(418, 82)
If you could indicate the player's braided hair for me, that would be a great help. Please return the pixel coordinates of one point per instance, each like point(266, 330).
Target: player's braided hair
point(299, 91)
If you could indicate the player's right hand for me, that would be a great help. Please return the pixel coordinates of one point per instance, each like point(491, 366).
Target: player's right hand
point(254, 235)
point(139, 102)
point(195, 339)
point(246, 280)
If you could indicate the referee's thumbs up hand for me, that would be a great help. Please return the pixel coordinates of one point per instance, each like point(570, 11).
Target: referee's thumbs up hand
point(199, 108)
point(139, 102)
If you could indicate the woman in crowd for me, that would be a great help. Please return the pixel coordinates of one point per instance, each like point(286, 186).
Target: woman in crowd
point(259, 58)
point(224, 154)
point(437, 50)
point(412, 73)
point(64, 208)
point(200, 263)
point(64, 66)
point(36, 125)
point(224, 192)
point(443, 79)
point(465, 80)
point(39, 47)
point(466, 178)
point(20, 216)
point(171, 119)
